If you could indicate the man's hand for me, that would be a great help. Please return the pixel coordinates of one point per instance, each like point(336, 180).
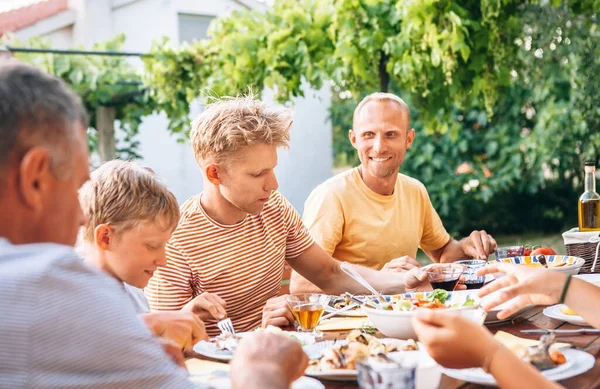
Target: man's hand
point(404, 263)
point(416, 280)
point(267, 358)
point(277, 313)
point(182, 328)
point(207, 306)
point(173, 351)
point(452, 340)
point(527, 286)
point(478, 245)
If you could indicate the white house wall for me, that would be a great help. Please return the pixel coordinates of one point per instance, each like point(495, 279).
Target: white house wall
point(309, 160)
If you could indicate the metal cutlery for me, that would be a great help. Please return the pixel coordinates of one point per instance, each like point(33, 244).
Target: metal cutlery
point(347, 268)
point(346, 308)
point(226, 326)
point(564, 332)
point(359, 301)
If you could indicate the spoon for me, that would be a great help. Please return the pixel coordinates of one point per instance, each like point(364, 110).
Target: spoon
point(542, 260)
point(347, 268)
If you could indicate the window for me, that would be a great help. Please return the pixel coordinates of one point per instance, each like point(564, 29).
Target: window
point(193, 27)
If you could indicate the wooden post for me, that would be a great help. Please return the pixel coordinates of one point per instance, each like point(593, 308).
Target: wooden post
point(105, 124)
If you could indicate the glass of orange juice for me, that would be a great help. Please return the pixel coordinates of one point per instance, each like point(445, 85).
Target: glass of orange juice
point(307, 309)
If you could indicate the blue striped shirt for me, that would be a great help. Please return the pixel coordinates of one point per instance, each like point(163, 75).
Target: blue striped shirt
point(63, 325)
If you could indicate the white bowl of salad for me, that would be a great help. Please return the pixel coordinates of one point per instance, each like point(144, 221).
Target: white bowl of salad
point(393, 317)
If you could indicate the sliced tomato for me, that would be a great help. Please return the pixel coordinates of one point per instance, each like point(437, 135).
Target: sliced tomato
point(544, 251)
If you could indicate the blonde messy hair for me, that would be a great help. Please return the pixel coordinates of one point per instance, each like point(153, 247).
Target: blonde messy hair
point(379, 97)
point(123, 194)
point(230, 124)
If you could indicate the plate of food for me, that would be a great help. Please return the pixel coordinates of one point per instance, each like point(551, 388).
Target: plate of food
point(222, 347)
point(564, 313)
point(221, 380)
point(556, 365)
point(336, 360)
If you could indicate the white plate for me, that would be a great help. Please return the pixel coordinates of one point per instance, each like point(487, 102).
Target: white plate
point(315, 351)
point(210, 349)
point(578, 362)
point(554, 312)
point(591, 278)
point(219, 382)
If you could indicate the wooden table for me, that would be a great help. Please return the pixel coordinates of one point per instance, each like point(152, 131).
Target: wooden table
point(528, 320)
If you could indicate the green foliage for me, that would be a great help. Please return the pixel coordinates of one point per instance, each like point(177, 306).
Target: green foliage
point(528, 157)
point(442, 52)
point(174, 77)
point(100, 81)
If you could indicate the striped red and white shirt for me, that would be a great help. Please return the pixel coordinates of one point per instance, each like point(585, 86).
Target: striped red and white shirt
point(242, 263)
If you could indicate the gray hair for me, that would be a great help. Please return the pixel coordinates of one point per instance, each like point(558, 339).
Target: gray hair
point(36, 109)
point(380, 96)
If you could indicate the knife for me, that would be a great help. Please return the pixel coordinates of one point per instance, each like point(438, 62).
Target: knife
point(565, 332)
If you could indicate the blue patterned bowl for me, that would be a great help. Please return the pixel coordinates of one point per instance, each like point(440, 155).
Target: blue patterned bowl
point(563, 263)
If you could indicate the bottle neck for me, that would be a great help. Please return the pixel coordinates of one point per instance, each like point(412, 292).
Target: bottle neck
point(590, 181)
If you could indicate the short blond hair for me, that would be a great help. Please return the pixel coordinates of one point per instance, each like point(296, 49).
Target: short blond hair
point(380, 96)
point(123, 194)
point(230, 124)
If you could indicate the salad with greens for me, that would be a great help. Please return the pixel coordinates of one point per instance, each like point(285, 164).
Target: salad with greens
point(439, 298)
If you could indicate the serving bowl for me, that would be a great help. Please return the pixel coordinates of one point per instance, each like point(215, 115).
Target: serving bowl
point(562, 263)
point(398, 324)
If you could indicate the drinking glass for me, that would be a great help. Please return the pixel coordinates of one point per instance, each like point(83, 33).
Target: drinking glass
point(444, 275)
point(471, 280)
point(509, 251)
point(376, 374)
point(308, 308)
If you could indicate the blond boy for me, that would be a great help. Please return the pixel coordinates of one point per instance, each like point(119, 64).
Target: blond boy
point(235, 237)
point(131, 216)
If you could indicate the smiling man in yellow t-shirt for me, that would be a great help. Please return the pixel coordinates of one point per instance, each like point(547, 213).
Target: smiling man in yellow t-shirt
point(374, 216)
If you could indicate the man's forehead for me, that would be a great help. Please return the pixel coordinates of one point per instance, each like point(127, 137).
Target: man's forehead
point(256, 156)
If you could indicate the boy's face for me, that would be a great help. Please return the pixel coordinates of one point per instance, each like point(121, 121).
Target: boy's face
point(249, 179)
point(133, 255)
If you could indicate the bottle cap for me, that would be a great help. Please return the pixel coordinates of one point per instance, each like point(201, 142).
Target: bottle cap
point(590, 163)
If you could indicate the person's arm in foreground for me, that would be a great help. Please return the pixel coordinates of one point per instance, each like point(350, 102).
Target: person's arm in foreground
point(456, 342)
point(267, 361)
point(478, 245)
point(531, 286)
point(184, 329)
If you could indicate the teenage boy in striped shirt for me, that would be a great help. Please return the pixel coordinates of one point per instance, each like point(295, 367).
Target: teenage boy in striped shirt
point(234, 238)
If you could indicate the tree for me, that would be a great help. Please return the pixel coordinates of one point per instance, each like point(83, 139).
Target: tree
point(528, 158)
point(111, 89)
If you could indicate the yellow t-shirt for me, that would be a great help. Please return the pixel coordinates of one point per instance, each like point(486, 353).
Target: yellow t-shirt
point(354, 224)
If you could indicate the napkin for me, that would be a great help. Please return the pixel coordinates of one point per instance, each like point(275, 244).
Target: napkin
point(514, 342)
point(343, 323)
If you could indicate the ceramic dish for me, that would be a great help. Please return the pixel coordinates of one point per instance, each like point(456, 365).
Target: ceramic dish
point(554, 312)
point(398, 324)
point(210, 349)
point(578, 362)
point(562, 263)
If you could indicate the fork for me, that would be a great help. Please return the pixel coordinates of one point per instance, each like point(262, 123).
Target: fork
point(226, 326)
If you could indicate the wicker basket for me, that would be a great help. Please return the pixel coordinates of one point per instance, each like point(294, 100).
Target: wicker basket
point(585, 245)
